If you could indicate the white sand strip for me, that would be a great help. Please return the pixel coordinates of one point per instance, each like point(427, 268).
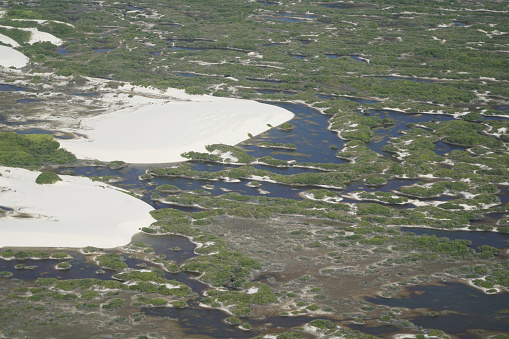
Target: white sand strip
point(9, 57)
point(6, 40)
point(38, 36)
point(75, 212)
point(160, 131)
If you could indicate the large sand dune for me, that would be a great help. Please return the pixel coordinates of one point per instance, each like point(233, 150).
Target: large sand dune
point(75, 212)
point(159, 131)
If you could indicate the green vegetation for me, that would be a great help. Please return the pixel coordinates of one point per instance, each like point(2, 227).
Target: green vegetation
point(112, 261)
point(64, 266)
point(47, 178)
point(243, 49)
point(31, 150)
point(287, 126)
point(277, 145)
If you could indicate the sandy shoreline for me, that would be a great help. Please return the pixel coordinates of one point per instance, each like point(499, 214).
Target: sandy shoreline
point(75, 212)
point(159, 130)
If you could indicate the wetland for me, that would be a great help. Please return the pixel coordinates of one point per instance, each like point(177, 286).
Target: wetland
point(379, 209)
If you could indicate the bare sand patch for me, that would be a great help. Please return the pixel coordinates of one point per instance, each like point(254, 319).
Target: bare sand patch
point(74, 212)
point(9, 57)
point(155, 130)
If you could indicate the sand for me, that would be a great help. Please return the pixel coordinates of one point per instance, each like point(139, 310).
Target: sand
point(38, 36)
point(6, 40)
point(9, 57)
point(75, 212)
point(158, 131)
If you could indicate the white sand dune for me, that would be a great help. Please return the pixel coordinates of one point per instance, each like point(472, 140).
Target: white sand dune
point(38, 36)
point(6, 40)
point(9, 57)
point(75, 212)
point(159, 132)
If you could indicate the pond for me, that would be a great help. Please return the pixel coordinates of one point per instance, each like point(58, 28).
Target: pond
point(310, 136)
point(466, 308)
point(12, 88)
point(384, 134)
point(273, 91)
point(188, 75)
point(442, 148)
point(61, 50)
point(494, 239)
point(361, 101)
point(26, 101)
point(502, 108)
point(102, 49)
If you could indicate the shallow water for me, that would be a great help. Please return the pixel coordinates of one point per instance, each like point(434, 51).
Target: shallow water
point(357, 100)
point(383, 134)
point(310, 136)
point(273, 91)
point(494, 239)
point(476, 310)
point(503, 108)
point(443, 148)
point(25, 101)
point(102, 49)
point(11, 88)
point(61, 50)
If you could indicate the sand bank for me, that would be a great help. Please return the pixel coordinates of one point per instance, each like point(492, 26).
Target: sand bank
point(9, 57)
point(75, 212)
point(159, 130)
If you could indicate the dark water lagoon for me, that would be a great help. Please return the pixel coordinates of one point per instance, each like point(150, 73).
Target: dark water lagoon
point(503, 108)
point(273, 91)
point(466, 308)
point(102, 49)
point(310, 136)
point(494, 239)
point(12, 88)
point(443, 148)
point(61, 50)
point(188, 75)
point(357, 100)
point(27, 101)
point(384, 134)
